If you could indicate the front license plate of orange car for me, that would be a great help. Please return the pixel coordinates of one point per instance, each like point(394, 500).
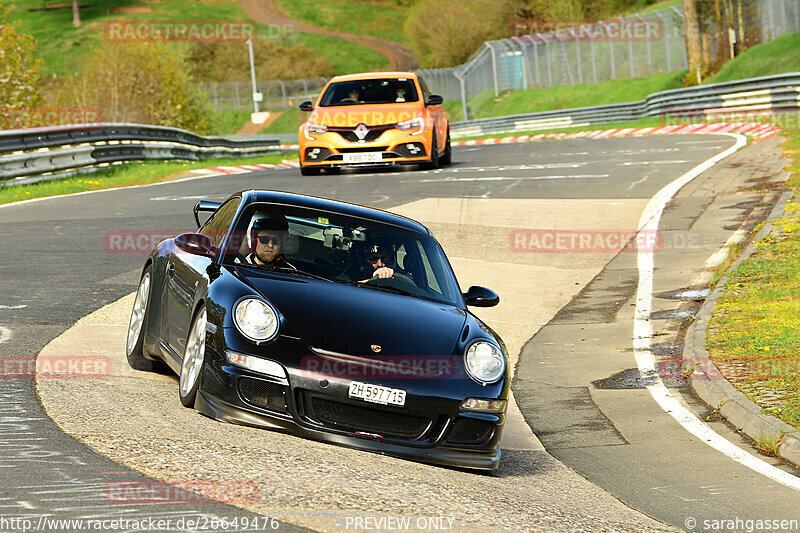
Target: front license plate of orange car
point(363, 157)
point(377, 394)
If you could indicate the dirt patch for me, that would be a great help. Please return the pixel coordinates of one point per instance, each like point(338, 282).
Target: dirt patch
point(400, 57)
point(131, 10)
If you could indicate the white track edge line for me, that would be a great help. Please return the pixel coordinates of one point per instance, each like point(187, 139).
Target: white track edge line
point(642, 331)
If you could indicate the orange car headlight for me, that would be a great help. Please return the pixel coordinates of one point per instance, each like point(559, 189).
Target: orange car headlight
point(418, 123)
point(314, 129)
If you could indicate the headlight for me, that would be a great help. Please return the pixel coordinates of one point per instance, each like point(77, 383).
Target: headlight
point(315, 129)
point(418, 123)
point(485, 362)
point(255, 319)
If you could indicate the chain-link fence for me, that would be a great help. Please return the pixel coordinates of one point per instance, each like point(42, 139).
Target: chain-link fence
point(276, 94)
point(628, 47)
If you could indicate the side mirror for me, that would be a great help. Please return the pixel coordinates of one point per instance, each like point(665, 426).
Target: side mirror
point(434, 99)
point(206, 207)
point(307, 106)
point(481, 297)
point(195, 243)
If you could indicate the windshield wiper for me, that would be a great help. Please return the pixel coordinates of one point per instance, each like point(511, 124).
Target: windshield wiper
point(389, 289)
point(296, 272)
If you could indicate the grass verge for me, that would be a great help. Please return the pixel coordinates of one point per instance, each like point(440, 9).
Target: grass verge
point(123, 175)
point(753, 334)
point(587, 94)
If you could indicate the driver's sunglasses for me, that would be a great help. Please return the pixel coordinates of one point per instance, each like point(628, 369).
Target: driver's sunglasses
point(266, 239)
point(373, 259)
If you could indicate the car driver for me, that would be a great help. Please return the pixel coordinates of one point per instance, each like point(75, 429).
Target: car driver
point(267, 236)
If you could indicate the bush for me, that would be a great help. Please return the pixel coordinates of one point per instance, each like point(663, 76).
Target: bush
point(20, 78)
point(141, 82)
point(231, 61)
point(445, 33)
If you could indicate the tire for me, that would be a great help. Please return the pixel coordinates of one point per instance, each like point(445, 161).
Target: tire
point(433, 164)
point(447, 156)
point(306, 171)
point(193, 359)
point(134, 347)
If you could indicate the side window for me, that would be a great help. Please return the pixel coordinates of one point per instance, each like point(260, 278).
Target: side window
point(220, 222)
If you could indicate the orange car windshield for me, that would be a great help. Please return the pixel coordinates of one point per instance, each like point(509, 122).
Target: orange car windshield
point(365, 92)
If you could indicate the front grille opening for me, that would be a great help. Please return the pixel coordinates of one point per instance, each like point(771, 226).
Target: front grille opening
point(364, 149)
point(264, 394)
point(470, 431)
point(357, 418)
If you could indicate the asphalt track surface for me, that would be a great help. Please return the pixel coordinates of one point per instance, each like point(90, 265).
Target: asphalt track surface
point(56, 270)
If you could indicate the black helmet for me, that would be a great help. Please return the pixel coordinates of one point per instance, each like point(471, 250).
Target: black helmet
point(271, 223)
point(379, 248)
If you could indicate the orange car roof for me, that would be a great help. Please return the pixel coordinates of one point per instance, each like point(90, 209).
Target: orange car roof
point(374, 75)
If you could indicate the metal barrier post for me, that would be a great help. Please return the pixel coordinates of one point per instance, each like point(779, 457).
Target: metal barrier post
point(630, 54)
point(647, 46)
point(494, 69)
point(283, 95)
point(463, 94)
point(578, 54)
point(665, 21)
point(549, 63)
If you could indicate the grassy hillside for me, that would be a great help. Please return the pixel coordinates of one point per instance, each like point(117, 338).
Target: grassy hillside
point(382, 19)
point(775, 57)
point(62, 46)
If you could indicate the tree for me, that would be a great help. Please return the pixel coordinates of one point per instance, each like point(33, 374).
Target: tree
point(694, 52)
point(444, 33)
point(145, 83)
point(20, 77)
point(76, 14)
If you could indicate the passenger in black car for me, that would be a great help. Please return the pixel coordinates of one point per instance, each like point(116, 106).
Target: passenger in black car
point(378, 258)
point(267, 237)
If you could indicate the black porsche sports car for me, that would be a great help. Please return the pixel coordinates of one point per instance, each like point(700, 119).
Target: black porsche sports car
point(328, 320)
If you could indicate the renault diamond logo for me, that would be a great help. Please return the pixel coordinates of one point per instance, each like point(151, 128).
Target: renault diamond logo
point(375, 348)
point(361, 132)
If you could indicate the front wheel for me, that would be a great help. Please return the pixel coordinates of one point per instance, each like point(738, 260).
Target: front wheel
point(309, 171)
point(433, 164)
point(447, 156)
point(134, 347)
point(193, 357)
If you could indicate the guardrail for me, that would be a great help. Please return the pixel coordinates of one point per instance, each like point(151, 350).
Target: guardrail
point(754, 95)
point(40, 154)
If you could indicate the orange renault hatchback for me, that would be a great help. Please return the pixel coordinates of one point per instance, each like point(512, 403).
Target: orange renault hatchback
point(375, 118)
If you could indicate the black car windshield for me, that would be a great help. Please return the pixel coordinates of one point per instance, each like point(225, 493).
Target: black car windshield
point(362, 92)
point(340, 248)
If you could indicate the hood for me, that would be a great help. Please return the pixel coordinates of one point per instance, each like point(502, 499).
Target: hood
point(370, 115)
point(347, 319)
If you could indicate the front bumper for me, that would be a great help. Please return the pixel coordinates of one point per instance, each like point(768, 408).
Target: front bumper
point(394, 147)
point(428, 428)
